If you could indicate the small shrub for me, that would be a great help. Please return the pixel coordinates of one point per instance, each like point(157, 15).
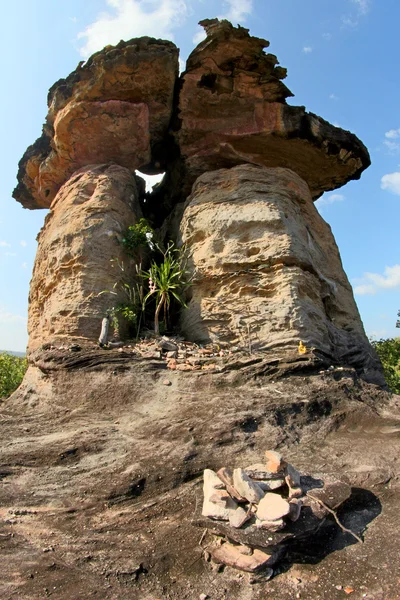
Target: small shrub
point(389, 353)
point(137, 237)
point(12, 371)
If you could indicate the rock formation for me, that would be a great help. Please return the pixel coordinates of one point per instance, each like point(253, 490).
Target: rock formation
point(244, 166)
point(81, 234)
point(105, 448)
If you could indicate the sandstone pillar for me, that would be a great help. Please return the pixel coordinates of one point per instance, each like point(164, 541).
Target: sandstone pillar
point(267, 269)
point(81, 234)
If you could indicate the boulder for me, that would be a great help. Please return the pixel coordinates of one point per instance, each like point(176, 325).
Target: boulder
point(267, 271)
point(81, 234)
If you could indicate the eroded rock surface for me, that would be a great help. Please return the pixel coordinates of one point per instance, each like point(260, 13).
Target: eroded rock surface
point(81, 234)
point(233, 110)
point(267, 269)
point(116, 107)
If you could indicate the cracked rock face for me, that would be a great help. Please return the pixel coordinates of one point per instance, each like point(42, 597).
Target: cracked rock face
point(80, 236)
point(233, 110)
point(116, 107)
point(267, 269)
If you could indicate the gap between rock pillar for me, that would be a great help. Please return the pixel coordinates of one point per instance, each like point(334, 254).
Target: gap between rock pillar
point(267, 270)
point(81, 234)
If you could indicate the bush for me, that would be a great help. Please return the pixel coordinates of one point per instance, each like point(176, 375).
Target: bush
point(12, 371)
point(389, 353)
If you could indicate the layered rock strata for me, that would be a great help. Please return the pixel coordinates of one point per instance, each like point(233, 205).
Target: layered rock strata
point(81, 235)
point(267, 269)
point(267, 272)
point(232, 110)
point(116, 107)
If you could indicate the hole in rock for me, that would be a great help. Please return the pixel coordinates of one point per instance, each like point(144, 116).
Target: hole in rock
point(150, 180)
point(208, 81)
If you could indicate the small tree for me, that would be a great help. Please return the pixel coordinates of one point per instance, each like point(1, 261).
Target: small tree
point(389, 353)
point(167, 280)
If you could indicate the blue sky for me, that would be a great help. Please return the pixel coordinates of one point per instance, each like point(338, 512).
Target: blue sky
point(342, 59)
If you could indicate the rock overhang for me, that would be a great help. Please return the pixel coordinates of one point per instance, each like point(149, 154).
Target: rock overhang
point(127, 105)
point(116, 107)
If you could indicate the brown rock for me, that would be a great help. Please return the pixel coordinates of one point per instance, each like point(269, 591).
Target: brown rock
point(268, 271)
point(117, 107)
point(246, 487)
point(80, 236)
point(233, 110)
point(274, 461)
point(230, 555)
point(272, 507)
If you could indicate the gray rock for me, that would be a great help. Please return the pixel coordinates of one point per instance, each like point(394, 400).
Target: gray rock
point(246, 487)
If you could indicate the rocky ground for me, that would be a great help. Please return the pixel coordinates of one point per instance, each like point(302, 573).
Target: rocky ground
point(101, 468)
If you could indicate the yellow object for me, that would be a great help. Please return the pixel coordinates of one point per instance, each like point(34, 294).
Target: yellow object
point(302, 348)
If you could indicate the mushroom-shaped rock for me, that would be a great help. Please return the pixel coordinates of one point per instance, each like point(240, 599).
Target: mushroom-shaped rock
point(233, 110)
point(115, 108)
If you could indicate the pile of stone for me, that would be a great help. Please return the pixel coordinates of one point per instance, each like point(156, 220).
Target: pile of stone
point(179, 354)
point(255, 512)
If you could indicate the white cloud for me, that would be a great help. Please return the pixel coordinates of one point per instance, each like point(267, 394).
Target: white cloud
point(363, 6)
point(24, 265)
point(133, 18)
point(307, 49)
point(4, 244)
point(371, 283)
point(10, 254)
point(391, 183)
point(325, 200)
point(327, 36)
point(23, 243)
point(392, 134)
point(238, 10)
point(333, 97)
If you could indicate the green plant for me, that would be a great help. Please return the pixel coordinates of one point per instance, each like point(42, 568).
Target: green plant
point(138, 236)
point(131, 308)
point(167, 280)
point(12, 371)
point(389, 353)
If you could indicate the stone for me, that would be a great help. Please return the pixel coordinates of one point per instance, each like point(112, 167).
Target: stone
point(333, 494)
point(233, 110)
point(230, 555)
point(217, 508)
point(272, 526)
point(167, 345)
point(116, 107)
point(259, 471)
point(80, 236)
point(166, 382)
point(293, 476)
point(268, 271)
point(271, 484)
point(295, 509)
point(226, 475)
point(274, 461)
point(239, 517)
point(272, 507)
point(246, 487)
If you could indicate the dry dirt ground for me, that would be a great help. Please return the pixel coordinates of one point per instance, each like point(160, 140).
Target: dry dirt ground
point(101, 473)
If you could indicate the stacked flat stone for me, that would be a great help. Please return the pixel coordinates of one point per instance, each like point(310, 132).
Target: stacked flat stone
point(268, 497)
